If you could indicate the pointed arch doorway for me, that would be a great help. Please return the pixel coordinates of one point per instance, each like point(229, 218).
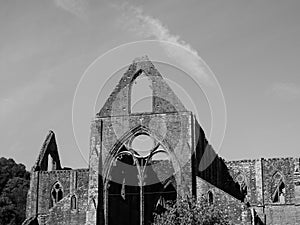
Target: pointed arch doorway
point(140, 181)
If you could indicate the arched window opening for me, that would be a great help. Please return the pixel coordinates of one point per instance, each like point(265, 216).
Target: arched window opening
point(141, 94)
point(123, 190)
point(210, 198)
point(279, 188)
point(279, 194)
point(140, 181)
point(241, 180)
point(56, 193)
point(73, 202)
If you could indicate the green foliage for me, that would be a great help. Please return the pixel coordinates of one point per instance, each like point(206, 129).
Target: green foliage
point(191, 212)
point(14, 184)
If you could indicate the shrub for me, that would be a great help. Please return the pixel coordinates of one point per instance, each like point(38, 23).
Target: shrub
point(188, 211)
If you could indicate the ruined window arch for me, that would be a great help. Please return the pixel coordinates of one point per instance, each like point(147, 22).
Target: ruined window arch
point(56, 193)
point(210, 197)
point(278, 186)
point(141, 94)
point(242, 181)
point(73, 202)
point(141, 180)
point(142, 144)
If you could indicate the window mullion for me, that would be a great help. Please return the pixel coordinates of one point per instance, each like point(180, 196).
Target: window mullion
point(141, 184)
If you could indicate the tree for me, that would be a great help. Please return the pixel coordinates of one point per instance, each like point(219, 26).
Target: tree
point(191, 212)
point(14, 184)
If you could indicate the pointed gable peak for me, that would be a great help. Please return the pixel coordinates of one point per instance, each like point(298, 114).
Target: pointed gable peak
point(49, 149)
point(143, 64)
point(143, 58)
point(161, 99)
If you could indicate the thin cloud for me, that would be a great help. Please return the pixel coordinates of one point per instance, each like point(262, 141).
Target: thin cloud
point(285, 91)
point(146, 26)
point(76, 7)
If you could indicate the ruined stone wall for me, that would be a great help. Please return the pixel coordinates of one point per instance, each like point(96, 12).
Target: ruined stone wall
point(46, 181)
point(212, 168)
point(172, 130)
point(252, 175)
point(69, 179)
point(168, 123)
point(282, 214)
point(261, 185)
point(286, 167)
point(31, 203)
point(238, 212)
point(176, 137)
point(39, 195)
point(297, 180)
point(62, 214)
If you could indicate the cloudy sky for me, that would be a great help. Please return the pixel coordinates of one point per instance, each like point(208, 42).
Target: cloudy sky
point(253, 48)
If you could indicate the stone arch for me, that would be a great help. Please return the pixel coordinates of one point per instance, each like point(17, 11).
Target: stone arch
point(73, 202)
point(129, 134)
point(278, 188)
point(242, 181)
point(210, 197)
point(164, 99)
point(140, 96)
point(48, 158)
point(118, 149)
point(56, 193)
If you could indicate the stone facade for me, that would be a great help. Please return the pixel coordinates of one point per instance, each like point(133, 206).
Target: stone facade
point(272, 187)
point(125, 185)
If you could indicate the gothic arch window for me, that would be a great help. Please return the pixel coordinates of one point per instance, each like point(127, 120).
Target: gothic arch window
point(210, 197)
point(140, 181)
point(56, 193)
point(242, 181)
point(73, 202)
point(141, 94)
point(278, 186)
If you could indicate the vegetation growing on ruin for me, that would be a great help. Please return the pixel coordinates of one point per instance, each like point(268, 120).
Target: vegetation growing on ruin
point(189, 211)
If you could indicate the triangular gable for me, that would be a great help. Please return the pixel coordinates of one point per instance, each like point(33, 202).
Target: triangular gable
point(49, 147)
point(164, 99)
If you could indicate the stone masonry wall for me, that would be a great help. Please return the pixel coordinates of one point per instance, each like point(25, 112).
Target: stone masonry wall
point(62, 214)
point(238, 212)
point(212, 168)
point(286, 167)
point(247, 169)
point(261, 186)
point(69, 179)
point(176, 138)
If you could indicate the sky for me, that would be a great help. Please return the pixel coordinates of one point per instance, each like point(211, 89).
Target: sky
point(252, 47)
